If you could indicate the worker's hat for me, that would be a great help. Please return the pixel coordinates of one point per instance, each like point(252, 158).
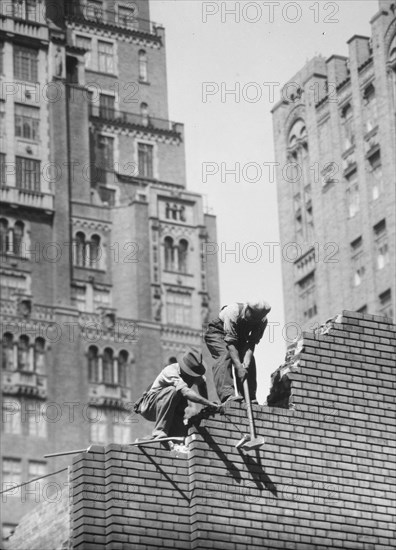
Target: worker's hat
point(191, 362)
point(259, 308)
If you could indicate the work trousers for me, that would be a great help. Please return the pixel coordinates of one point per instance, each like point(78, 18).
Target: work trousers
point(166, 408)
point(222, 368)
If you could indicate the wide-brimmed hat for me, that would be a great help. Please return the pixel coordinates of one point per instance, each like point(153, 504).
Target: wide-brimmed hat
point(191, 362)
point(259, 307)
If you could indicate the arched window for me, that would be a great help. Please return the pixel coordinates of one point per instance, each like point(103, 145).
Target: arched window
point(80, 249)
point(144, 112)
point(297, 133)
point(169, 254)
point(7, 351)
point(39, 355)
point(3, 235)
point(182, 252)
point(142, 66)
point(94, 251)
point(108, 366)
point(23, 353)
point(93, 364)
point(18, 236)
point(123, 368)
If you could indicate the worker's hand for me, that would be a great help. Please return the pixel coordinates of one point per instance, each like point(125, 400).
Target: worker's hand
point(242, 374)
point(213, 405)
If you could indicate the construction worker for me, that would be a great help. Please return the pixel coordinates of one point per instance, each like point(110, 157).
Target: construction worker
point(166, 400)
point(231, 339)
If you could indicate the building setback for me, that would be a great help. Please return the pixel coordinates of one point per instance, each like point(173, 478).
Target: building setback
point(104, 276)
point(334, 133)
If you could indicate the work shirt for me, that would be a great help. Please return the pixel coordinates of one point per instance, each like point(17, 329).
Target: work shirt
point(237, 329)
point(171, 376)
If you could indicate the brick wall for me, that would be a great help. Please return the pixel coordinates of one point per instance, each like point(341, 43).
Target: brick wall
point(324, 479)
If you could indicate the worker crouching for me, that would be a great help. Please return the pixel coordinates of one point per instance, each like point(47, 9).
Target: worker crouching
point(166, 400)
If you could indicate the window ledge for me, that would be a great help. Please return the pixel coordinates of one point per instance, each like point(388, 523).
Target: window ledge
point(113, 75)
point(179, 273)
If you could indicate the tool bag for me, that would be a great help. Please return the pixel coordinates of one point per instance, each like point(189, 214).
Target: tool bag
point(138, 403)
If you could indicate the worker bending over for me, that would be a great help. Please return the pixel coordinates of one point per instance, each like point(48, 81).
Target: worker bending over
point(231, 339)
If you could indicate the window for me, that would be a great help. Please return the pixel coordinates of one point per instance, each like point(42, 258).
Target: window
point(79, 250)
point(12, 473)
point(182, 252)
point(121, 434)
point(11, 238)
point(352, 195)
point(108, 366)
point(93, 364)
point(358, 266)
point(85, 43)
point(126, 17)
point(97, 426)
point(376, 175)
point(106, 106)
point(1, 57)
point(175, 212)
point(105, 57)
point(94, 251)
point(11, 420)
point(3, 180)
point(308, 296)
point(347, 124)
point(106, 152)
point(27, 174)
point(39, 355)
point(385, 300)
point(144, 113)
point(123, 368)
point(37, 425)
point(178, 308)
point(25, 64)
point(145, 160)
point(169, 254)
point(25, 9)
point(23, 353)
point(94, 9)
point(381, 244)
point(7, 359)
point(142, 66)
point(297, 204)
point(36, 469)
point(370, 108)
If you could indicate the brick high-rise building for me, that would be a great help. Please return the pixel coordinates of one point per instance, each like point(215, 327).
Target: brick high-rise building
point(104, 277)
point(334, 133)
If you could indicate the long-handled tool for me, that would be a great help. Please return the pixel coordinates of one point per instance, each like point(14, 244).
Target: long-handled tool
point(250, 441)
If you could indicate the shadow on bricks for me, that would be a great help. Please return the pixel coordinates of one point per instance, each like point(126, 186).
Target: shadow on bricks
point(257, 472)
point(232, 468)
point(168, 478)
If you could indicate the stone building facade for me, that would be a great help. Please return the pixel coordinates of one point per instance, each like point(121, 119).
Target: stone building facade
point(334, 133)
point(104, 273)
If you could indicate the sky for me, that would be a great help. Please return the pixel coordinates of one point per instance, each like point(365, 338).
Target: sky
point(253, 51)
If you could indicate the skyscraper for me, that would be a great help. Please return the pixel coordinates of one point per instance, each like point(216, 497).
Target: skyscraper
point(104, 272)
point(334, 133)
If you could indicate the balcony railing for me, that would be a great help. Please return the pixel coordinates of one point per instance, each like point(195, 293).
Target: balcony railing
point(26, 27)
point(24, 382)
point(152, 124)
point(23, 197)
point(109, 394)
point(82, 13)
